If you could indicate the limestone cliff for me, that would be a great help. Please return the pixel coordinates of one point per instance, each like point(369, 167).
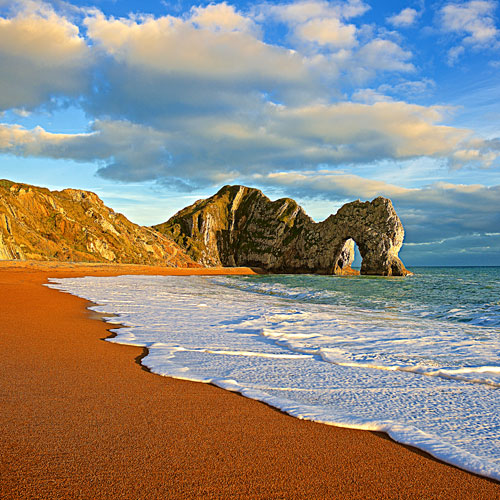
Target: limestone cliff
point(75, 225)
point(239, 226)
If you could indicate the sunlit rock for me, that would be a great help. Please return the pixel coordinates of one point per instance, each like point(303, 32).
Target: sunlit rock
point(240, 226)
point(75, 225)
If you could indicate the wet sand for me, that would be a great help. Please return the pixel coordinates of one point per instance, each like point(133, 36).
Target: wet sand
point(81, 419)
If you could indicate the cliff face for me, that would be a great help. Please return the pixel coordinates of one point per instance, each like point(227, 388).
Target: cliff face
point(75, 225)
point(239, 226)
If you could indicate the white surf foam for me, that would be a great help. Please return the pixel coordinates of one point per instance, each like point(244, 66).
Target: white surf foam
point(408, 377)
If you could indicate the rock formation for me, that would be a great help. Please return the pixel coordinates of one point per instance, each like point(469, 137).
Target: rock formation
point(239, 226)
point(75, 225)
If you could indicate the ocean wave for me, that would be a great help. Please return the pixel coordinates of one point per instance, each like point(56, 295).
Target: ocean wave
point(350, 366)
point(439, 297)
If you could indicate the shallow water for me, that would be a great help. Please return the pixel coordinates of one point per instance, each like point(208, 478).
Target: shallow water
point(416, 357)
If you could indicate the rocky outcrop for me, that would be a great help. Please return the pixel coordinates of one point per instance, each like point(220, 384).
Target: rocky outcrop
point(239, 226)
point(75, 225)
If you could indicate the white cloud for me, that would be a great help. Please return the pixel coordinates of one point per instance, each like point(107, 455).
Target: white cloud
point(319, 22)
point(298, 12)
point(221, 17)
point(204, 98)
point(409, 88)
point(405, 18)
point(319, 27)
point(302, 11)
point(172, 46)
point(345, 132)
point(42, 55)
point(369, 96)
point(212, 58)
point(327, 31)
point(353, 8)
point(385, 55)
point(119, 147)
point(473, 20)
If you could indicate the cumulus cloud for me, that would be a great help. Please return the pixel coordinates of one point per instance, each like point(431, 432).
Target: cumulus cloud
point(353, 8)
point(347, 131)
point(409, 88)
point(42, 55)
point(328, 31)
point(324, 28)
point(163, 65)
point(319, 22)
point(388, 92)
point(212, 58)
point(302, 11)
point(17, 140)
point(473, 21)
point(118, 147)
point(221, 17)
point(405, 18)
point(385, 55)
point(370, 96)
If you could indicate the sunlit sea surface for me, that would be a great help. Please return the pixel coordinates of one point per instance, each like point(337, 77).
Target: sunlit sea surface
point(416, 357)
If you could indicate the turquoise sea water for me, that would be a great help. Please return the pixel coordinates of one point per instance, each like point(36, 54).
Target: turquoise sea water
point(456, 294)
point(416, 357)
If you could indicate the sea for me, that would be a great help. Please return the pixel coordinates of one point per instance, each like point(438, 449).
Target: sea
point(416, 357)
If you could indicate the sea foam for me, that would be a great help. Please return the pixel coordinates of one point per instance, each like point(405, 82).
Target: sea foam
point(427, 382)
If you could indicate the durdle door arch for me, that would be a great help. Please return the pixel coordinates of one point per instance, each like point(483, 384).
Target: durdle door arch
point(240, 226)
point(377, 231)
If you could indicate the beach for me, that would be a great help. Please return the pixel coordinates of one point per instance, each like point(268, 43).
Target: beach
point(82, 418)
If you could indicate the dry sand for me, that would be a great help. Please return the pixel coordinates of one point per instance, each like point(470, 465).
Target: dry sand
point(80, 419)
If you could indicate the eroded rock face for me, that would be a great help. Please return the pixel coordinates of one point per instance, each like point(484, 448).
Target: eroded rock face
point(75, 225)
point(239, 226)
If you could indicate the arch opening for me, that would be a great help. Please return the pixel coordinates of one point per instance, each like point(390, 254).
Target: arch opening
point(356, 263)
point(347, 256)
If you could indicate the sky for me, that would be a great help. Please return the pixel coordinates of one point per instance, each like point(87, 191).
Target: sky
point(155, 104)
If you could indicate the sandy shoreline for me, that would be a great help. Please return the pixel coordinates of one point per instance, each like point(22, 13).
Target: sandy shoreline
point(80, 419)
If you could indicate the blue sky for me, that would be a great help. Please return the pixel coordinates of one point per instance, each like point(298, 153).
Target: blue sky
point(156, 104)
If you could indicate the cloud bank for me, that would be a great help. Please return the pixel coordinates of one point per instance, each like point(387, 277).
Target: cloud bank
point(204, 96)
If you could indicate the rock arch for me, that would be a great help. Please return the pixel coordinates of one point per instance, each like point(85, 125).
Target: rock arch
point(377, 231)
point(239, 226)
